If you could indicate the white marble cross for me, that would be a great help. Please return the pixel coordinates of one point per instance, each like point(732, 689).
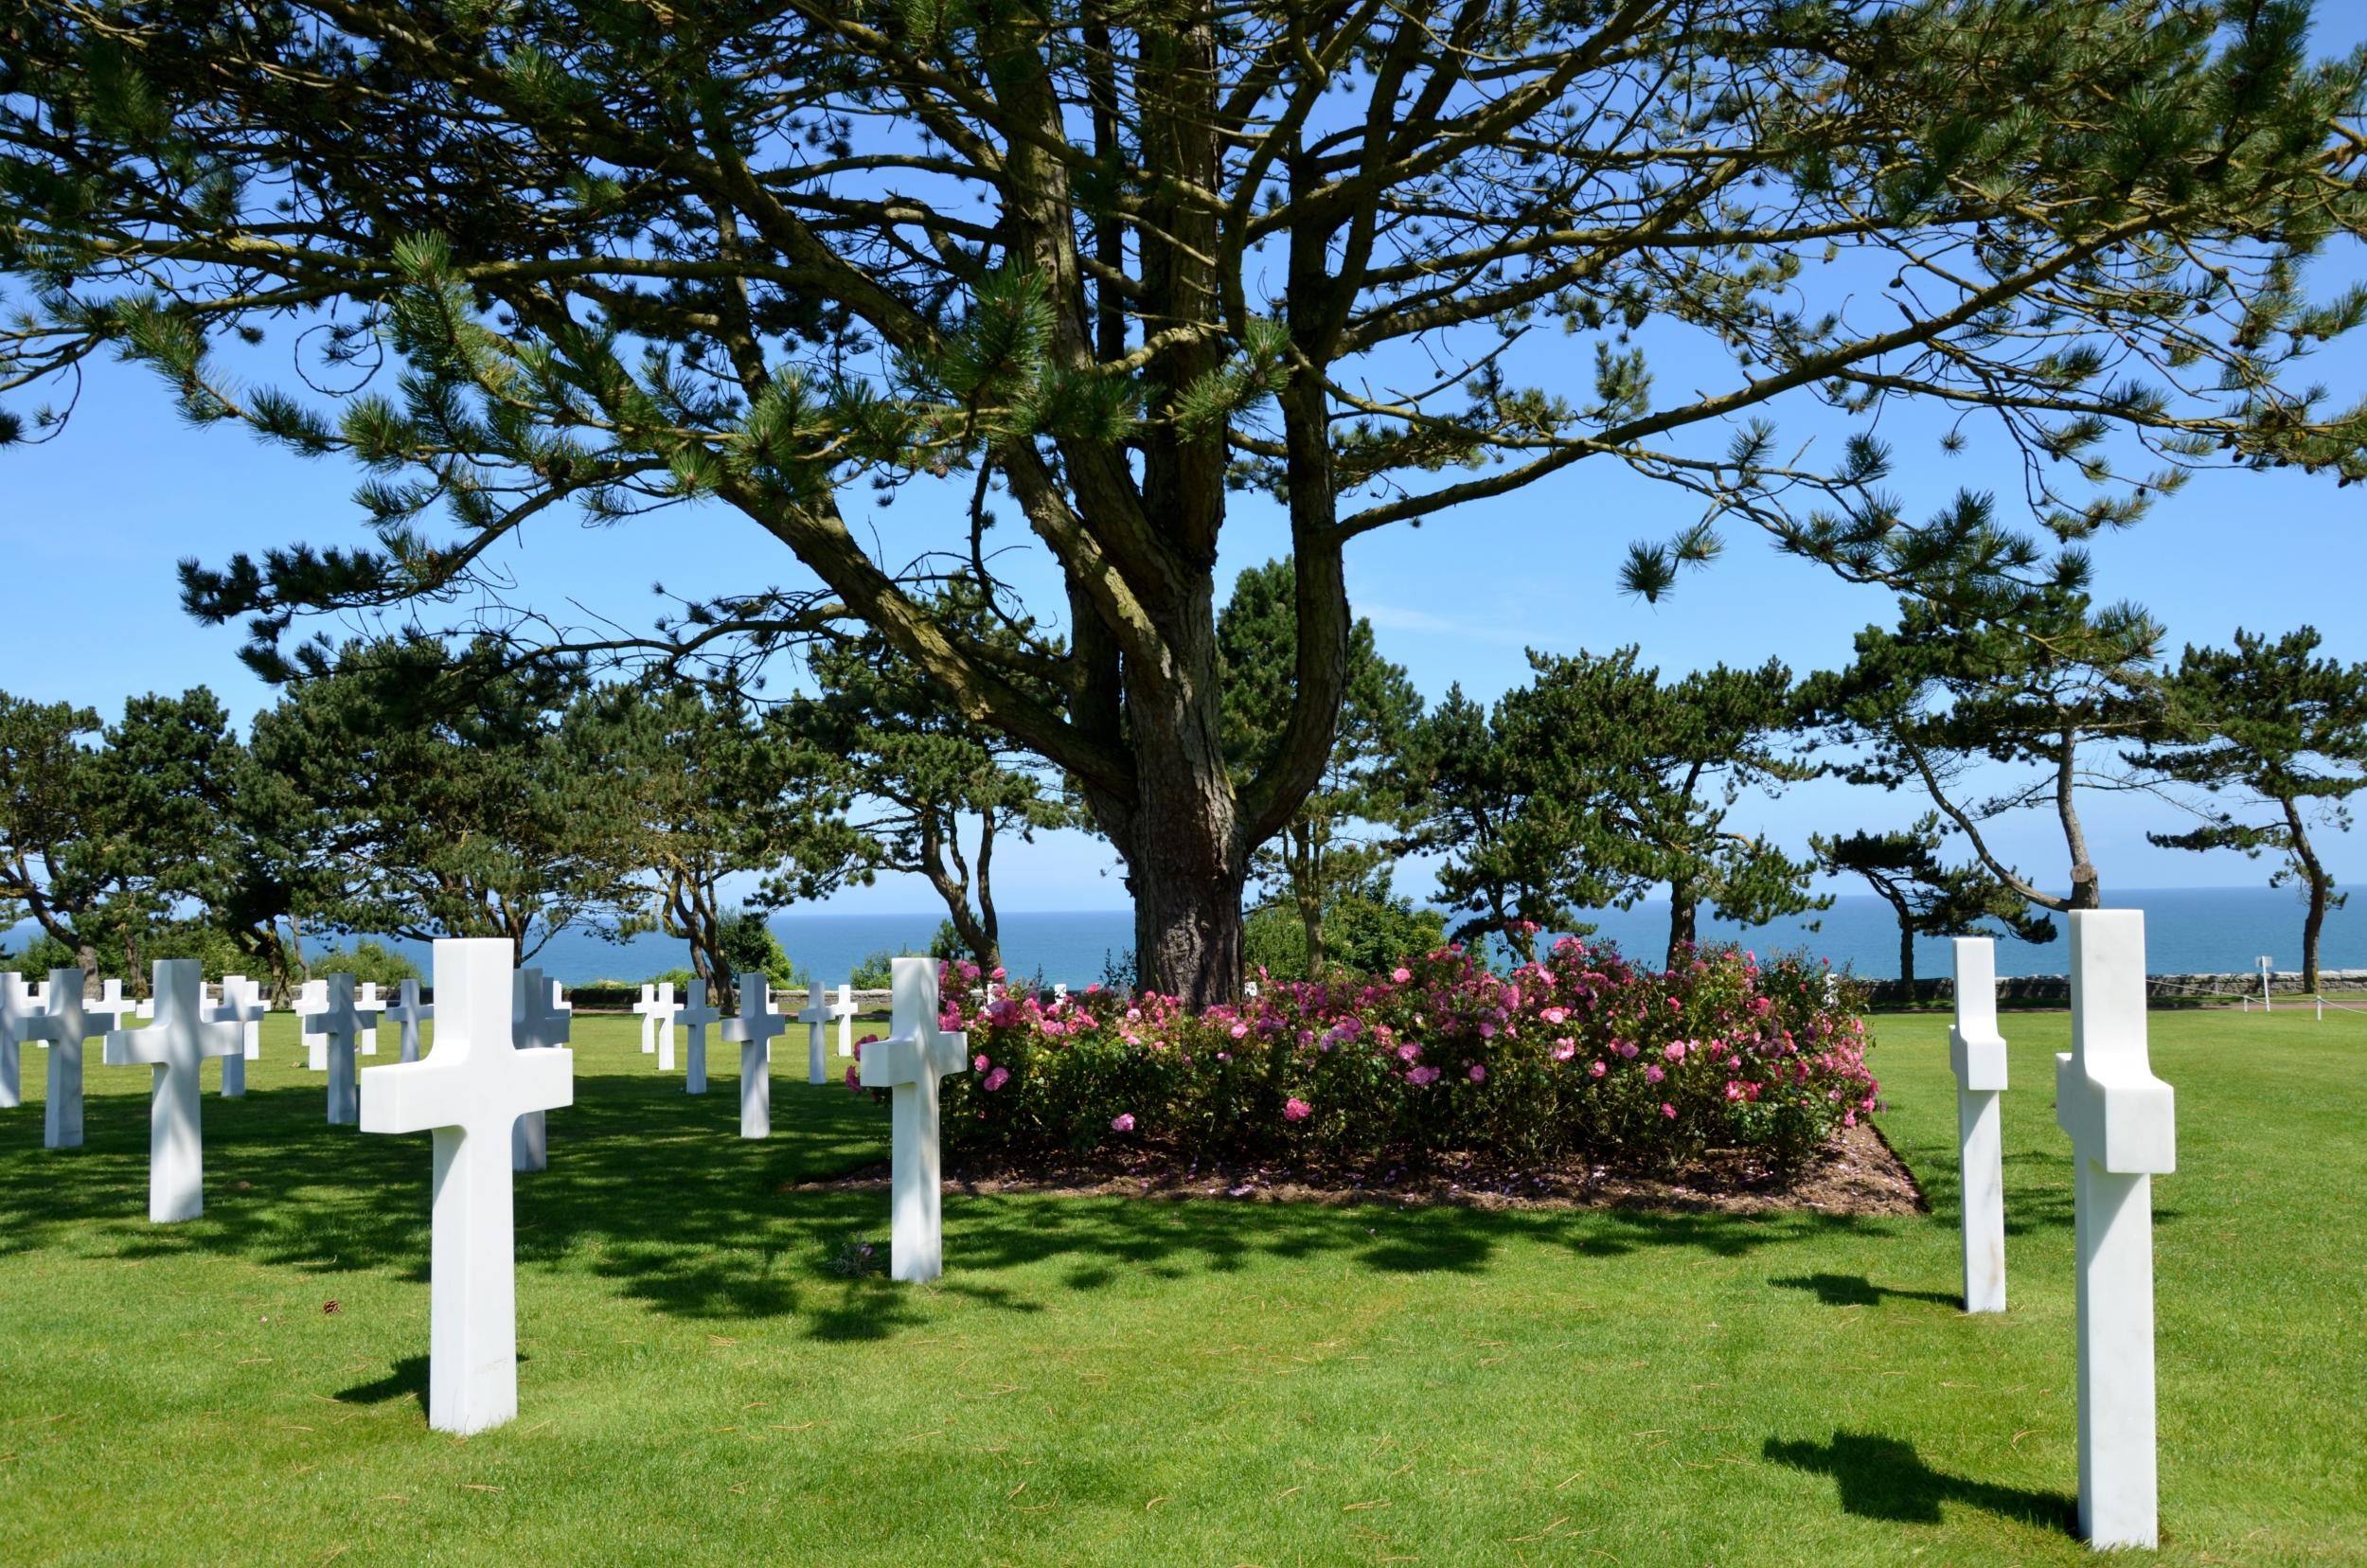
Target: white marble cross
point(910, 1061)
point(662, 1017)
point(2122, 1123)
point(340, 1022)
point(312, 999)
point(816, 1018)
point(17, 1008)
point(244, 1005)
point(65, 1024)
point(471, 1090)
point(754, 1031)
point(694, 1018)
point(646, 1007)
point(844, 1010)
point(175, 1047)
point(407, 1014)
point(373, 1004)
point(538, 1023)
point(1977, 1053)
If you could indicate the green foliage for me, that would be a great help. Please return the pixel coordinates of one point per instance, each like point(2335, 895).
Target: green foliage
point(453, 799)
point(1927, 701)
point(1597, 783)
point(934, 794)
point(877, 971)
point(705, 788)
point(2276, 737)
point(623, 257)
point(748, 946)
point(369, 960)
point(1929, 897)
point(1351, 824)
point(1367, 928)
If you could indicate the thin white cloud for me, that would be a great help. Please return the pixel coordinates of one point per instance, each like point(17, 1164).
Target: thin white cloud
point(1393, 618)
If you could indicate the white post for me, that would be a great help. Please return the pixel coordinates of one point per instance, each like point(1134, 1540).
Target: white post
point(471, 1090)
point(2122, 1123)
point(175, 1047)
point(65, 1025)
point(1977, 1053)
point(537, 1023)
point(816, 1018)
point(754, 1031)
point(16, 1011)
point(244, 1005)
point(910, 1061)
point(694, 1019)
point(2267, 1002)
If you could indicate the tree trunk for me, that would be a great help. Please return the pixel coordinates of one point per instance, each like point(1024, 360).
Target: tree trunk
point(1906, 959)
point(1682, 914)
point(1185, 864)
point(2321, 886)
point(2086, 891)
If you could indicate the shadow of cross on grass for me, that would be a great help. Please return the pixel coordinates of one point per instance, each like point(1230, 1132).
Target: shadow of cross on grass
point(1857, 1291)
point(1885, 1478)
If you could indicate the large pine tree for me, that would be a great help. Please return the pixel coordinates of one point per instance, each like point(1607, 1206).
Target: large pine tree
point(1119, 259)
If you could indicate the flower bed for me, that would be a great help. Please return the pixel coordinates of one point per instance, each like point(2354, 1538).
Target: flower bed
point(1581, 1054)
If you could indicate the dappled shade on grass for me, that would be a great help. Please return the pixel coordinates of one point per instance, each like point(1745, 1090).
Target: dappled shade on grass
point(1103, 1380)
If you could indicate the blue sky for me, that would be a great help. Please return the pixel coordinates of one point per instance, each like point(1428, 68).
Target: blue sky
point(93, 522)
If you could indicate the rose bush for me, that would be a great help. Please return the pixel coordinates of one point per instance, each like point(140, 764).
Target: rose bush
point(1582, 1054)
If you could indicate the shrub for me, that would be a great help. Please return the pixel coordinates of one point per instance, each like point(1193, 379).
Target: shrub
point(367, 961)
point(877, 971)
point(1580, 1055)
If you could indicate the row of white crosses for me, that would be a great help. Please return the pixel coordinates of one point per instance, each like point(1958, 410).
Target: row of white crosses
point(2123, 1127)
point(497, 1068)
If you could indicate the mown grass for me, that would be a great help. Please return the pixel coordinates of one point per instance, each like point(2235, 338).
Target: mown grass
point(1114, 1381)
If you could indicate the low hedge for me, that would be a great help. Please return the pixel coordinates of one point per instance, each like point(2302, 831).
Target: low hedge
point(1580, 1055)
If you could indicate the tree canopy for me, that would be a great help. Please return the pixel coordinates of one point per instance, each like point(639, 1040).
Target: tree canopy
point(1118, 262)
point(2275, 736)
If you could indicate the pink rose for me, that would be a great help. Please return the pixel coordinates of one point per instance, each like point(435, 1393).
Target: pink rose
point(854, 1081)
point(996, 1080)
point(1408, 1051)
point(1240, 1030)
point(1675, 1005)
point(1421, 1076)
point(981, 1063)
point(998, 972)
point(1554, 1015)
point(1295, 1109)
point(1668, 1110)
point(1654, 1073)
point(1401, 974)
point(1123, 1122)
point(1565, 1048)
point(1595, 1069)
point(1674, 1050)
point(1479, 1073)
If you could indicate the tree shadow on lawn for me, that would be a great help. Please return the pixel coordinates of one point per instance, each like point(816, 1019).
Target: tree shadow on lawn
point(1885, 1478)
point(653, 1190)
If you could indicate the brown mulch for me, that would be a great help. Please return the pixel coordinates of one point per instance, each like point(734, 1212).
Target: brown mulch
point(1858, 1173)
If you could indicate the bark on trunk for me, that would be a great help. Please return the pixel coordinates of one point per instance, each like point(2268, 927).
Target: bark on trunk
point(2086, 891)
point(1683, 908)
point(2321, 886)
point(1907, 958)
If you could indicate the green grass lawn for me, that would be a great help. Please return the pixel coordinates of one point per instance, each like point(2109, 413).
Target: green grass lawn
point(1107, 1381)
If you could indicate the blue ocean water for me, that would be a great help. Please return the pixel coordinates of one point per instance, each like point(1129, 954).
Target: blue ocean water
point(2188, 930)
